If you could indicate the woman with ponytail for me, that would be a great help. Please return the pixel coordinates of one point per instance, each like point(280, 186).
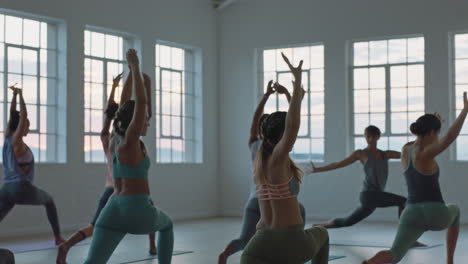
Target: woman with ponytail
point(280, 236)
point(251, 208)
point(106, 138)
point(130, 209)
point(426, 209)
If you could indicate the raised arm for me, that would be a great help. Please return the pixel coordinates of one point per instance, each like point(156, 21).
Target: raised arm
point(435, 149)
point(23, 120)
point(133, 133)
point(355, 156)
point(392, 154)
point(147, 82)
point(127, 88)
point(293, 118)
point(254, 127)
point(282, 90)
point(109, 113)
point(12, 107)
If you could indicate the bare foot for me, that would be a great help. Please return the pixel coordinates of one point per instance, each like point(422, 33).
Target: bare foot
point(418, 244)
point(62, 254)
point(153, 250)
point(59, 240)
point(329, 224)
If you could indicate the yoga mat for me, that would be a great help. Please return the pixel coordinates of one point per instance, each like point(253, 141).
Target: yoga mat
point(331, 258)
point(130, 250)
point(351, 243)
point(35, 246)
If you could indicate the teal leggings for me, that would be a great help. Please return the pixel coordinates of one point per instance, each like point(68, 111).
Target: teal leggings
point(419, 218)
point(133, 214)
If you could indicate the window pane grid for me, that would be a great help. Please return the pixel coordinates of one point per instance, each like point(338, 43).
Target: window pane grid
point(175, 105)
point(460, 63)
point(28, 57)
point(103, 61)
point(310, 142)
point(388, 84)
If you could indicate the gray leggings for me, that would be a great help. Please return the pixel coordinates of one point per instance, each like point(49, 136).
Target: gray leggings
point(249, 226)
point(25, 193)
point(371, 200)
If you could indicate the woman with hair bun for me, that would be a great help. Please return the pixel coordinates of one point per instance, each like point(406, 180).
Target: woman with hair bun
point(426, 209)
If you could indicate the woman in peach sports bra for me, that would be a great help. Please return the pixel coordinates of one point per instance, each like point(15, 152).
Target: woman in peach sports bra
point(280, 236)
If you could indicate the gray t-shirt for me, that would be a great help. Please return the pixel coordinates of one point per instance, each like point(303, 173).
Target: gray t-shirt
point(253, 151)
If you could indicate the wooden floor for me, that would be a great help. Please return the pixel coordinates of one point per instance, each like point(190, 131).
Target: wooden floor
point(208, 237)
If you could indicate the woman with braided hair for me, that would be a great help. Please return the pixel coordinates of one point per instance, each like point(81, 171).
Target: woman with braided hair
point(251, 208)
point(280, 236)
point(106, 139)
point(130, 209)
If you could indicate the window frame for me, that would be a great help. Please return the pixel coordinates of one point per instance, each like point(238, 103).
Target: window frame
point(128, 41)
point(260, 89)
point(194, 151)
point(453, 91)
point(54, 153)
point(388, 98)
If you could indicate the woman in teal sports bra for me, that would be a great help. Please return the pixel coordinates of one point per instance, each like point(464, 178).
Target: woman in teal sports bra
point(130, 210)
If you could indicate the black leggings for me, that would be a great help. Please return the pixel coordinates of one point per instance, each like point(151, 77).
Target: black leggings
point(25, 193)
point(371, 200)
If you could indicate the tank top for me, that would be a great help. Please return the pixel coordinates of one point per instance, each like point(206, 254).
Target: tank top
point(422, 187)
point(11, 169)
point(376, 172)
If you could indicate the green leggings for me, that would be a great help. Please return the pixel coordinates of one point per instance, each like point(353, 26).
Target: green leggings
point(292, 245)
point(419, 218)
point(134, 214)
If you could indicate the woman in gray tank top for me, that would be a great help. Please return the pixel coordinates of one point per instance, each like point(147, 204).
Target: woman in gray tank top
point(426, 209)
point(372, 196)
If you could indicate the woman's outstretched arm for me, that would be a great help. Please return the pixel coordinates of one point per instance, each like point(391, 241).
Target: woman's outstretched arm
point(255, 125)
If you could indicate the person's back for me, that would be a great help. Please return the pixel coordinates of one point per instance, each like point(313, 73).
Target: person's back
point(279, 212)
point(280, 236)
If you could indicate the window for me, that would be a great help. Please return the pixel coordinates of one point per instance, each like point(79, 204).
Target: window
point(104, 59)
point(388, 87)
point(310, 141)
point(29, 54)
point(461, 85)
point(178, 105)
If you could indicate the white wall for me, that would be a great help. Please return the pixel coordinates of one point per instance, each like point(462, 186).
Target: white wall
point(253, 24)
point(184, 191)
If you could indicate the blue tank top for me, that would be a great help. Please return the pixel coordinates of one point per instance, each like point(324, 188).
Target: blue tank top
point(11, 170)
point(376, 171)
point(422, 187)
point(123, 171)
point(253, 154)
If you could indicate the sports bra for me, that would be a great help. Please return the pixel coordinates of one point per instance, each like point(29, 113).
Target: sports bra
point(122, 171)
point(282, 191)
